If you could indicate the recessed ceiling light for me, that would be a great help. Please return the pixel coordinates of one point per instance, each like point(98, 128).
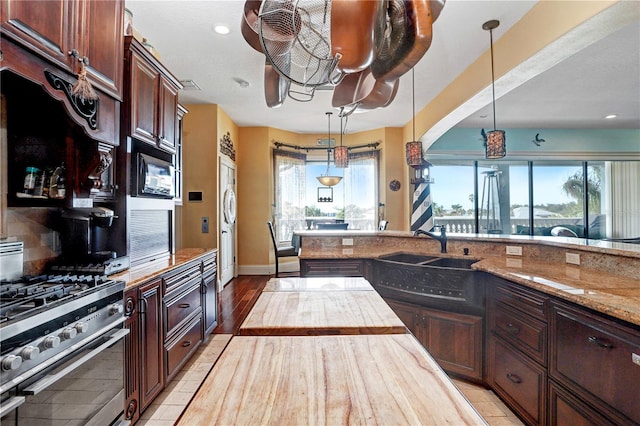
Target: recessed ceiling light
point(221, 29)
point(610, 116)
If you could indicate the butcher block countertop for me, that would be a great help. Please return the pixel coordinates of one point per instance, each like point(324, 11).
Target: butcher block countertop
point(296, 313)
point(318, 284)
point(328, 380)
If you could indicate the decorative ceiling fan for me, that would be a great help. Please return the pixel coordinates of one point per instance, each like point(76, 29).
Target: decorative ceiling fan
point(361, 47)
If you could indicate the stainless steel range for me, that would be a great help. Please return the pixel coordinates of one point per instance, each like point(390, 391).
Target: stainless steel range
point(61, 350)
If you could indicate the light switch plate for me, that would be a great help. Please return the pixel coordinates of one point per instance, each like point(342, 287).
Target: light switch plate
point(514, 250)
point(573, 258)
point(347, 241)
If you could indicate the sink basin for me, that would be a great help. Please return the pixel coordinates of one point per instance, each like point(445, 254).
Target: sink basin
point(450, 262)
point(412, 259)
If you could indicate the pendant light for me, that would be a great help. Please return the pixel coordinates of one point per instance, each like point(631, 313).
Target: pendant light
point(413, 149)
point(495, 142)
point(341, 153)
point(328, 180)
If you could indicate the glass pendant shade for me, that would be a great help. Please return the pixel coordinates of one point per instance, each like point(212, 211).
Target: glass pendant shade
point(341, 156)
point(329, 180)
point(496, 144)
point(414, 153)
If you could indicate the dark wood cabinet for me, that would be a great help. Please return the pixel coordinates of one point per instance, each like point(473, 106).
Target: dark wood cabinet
point(517, 348)
point(132, 357)
point(151, 342)
point(332, 267)
point(566, 409)
point(598, 360)
point(453, 339)
point(50, 42)
point(151, 109)
point(210, 293)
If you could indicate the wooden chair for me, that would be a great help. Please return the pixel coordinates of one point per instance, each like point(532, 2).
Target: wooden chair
point(285, 251)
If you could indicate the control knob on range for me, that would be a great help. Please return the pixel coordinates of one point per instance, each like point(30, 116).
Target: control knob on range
point(115, 309)
point(51, 342)
point(11, 362)
point(29, 353)
point(68, 333)
point(81, 327)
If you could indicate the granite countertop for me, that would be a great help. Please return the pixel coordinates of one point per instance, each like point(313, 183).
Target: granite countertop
point(138, 274)
point(613, 295)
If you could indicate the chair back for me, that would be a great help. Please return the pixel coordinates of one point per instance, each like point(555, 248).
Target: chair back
point(273, 236)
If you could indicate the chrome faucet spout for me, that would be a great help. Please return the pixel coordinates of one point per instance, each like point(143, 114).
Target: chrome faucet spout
point(442, 237)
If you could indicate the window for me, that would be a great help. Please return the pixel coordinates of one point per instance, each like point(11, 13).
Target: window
point(301, 202)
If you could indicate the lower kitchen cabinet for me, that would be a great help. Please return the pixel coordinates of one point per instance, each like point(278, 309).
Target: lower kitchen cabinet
point(166, 316)
point(566, 409)
point(453, 339)
point(151, 342)
point(597, 360)
point(210, 293)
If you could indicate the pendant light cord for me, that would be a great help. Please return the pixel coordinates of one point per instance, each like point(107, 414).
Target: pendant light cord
point(493, 80)
point(413, 101)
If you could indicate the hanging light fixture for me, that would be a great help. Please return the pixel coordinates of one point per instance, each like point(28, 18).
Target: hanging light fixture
point(413, 149)
point(496, 140)
point(341, 153)
point(328, 180)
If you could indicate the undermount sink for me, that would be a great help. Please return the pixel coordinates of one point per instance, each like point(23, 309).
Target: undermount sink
point(410, 258)
point(430, 261)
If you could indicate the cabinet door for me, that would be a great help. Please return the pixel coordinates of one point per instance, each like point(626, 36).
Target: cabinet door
point(167, 126)
point(455, 341)
point(409, 315)
point(46, 27)
point(210, 302)
point(103, 37)
point(151, 345)
point(144, 95)
point(131, 355)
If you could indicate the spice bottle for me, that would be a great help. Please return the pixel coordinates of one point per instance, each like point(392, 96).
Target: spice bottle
point(30, 180)
point(41, 182)
point(57, 187)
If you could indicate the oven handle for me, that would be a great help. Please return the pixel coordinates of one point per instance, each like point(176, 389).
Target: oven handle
point(47, 381)
point(11, 404)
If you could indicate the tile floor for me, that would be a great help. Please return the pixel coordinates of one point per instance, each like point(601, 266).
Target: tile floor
point(168, 406)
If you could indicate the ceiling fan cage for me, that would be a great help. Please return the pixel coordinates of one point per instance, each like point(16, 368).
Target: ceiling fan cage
point(296, 38)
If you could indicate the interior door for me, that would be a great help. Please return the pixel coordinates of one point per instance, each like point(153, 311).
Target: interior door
point(227, 193)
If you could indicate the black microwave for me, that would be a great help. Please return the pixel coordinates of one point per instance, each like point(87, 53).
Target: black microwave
point(155, 177)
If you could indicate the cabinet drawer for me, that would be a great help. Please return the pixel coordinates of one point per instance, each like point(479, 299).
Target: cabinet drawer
point(527, 334)
point(177, 278)
point(331, 268)
point(566, 409)
point(209, 263)
point(180, 308)
point(180, 349)
point(518, 380)
point(595, 356)
point(520, 299)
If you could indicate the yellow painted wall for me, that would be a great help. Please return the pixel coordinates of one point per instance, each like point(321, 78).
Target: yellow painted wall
point(200, 159)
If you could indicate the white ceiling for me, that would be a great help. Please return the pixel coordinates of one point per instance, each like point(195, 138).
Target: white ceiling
point(599, 80)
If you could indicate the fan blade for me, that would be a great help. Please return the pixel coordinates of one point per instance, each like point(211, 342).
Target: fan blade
point(410, 37)
point(353, 32)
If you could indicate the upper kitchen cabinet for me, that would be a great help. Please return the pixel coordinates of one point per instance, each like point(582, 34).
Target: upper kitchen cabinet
point(150, 111)
point(53, 42)
point(67, 32)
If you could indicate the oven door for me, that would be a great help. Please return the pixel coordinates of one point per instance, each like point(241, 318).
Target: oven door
point(85, 388)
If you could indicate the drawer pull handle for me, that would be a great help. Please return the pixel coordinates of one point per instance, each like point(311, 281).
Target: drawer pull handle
point(184, 305)
point(186, 344)
point(514, 378)
point(513, 329)
point(600, 342)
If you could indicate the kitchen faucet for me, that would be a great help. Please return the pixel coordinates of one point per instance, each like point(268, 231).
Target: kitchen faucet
point(442, 237)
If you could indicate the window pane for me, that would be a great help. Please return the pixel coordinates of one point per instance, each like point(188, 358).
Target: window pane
point(289, 211)
point(505, 209)
point(557, 199)
point(452, 196)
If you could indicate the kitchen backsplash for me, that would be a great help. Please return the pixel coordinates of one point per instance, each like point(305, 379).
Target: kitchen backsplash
point(41, 243)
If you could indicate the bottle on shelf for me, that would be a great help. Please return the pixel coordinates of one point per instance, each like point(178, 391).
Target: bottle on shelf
point(57, 186)
point(30, 180)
